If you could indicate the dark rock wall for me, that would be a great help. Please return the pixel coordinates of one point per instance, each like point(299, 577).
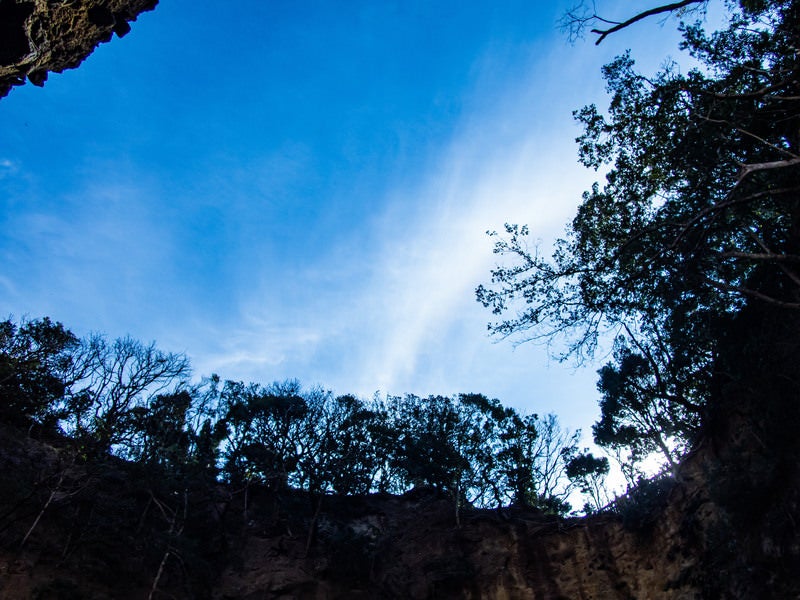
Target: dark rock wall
point(42, 36)
point(414, 549)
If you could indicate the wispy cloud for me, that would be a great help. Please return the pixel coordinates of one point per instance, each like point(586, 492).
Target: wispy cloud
point(514, 163)
point(431, 264)
point(395, 310)
point(94, 252)
point(8, 168)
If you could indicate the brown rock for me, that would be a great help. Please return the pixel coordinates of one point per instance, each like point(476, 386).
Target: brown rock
point(42, 36)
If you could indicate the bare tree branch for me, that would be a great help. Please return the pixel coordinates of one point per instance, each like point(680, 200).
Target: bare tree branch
point(762, 256)
point(776, 164)
point(603, 33)
point(754, 294)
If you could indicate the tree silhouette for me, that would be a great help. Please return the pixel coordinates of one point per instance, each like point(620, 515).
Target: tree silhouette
point(698, 217)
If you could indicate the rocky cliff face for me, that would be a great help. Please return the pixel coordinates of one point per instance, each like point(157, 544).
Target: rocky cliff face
point(91, 542)
point(42, 36)
point(411, 547)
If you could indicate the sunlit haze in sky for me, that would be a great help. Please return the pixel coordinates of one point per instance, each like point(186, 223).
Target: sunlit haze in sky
point(302, 189)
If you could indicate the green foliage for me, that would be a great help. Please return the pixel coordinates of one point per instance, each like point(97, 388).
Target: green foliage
point(341, 455)
point(532, 461)
point(642, 414)
point(432, 444)
point(699, 216)
point(267, 428)
point(477, 451)
point(35, 362)
point(642, 506)
point(164, 441)
point(130, 401)
point(589, 473)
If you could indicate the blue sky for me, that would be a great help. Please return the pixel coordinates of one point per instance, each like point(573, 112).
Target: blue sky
point(301, 189)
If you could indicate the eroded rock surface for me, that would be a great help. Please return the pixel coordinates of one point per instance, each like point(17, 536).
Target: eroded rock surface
point(412, 548)
point(42, 36)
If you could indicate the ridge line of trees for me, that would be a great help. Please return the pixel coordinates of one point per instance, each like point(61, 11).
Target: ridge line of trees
point(132, 401)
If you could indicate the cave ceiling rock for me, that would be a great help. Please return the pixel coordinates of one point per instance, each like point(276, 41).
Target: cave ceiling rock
point(38, 37)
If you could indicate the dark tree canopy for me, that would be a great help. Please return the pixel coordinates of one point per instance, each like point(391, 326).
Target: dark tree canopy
point(125, 400)
point(36, 358)
point(699, 216)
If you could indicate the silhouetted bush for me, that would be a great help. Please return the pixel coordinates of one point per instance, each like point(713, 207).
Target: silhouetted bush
point(641, 507)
